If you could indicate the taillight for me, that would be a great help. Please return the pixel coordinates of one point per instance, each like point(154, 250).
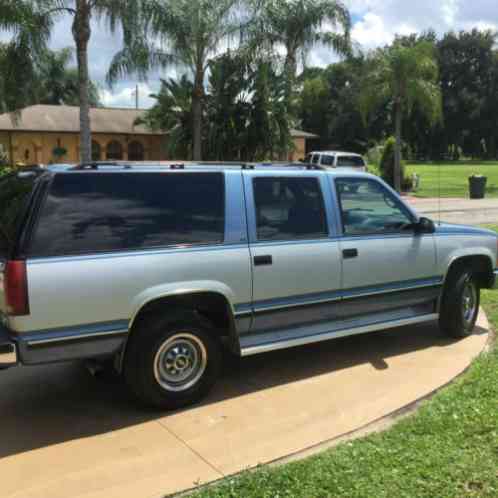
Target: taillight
point(16, 288)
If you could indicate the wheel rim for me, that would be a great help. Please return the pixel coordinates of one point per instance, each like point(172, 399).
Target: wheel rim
point(180, 362)
point(469, 303)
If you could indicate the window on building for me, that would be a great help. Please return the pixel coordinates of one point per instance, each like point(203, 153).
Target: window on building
point(114, 151)
point(289, 209)
point(96, 151)
point(136, 151)
point(107, 212)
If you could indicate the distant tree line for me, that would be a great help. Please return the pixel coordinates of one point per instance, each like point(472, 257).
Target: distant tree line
point(461, 120)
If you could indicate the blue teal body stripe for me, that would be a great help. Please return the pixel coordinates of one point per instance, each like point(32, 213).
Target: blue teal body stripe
point(324, 297)
point(69, 333)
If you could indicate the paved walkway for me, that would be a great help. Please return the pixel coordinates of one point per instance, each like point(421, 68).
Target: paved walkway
point(64, 434)
point(461, 211)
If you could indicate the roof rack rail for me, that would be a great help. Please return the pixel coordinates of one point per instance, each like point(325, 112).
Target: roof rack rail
point(96, 164)
point(248, 166)
point(177, 166)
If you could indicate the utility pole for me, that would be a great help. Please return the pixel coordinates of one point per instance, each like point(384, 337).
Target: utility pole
point(137, 98)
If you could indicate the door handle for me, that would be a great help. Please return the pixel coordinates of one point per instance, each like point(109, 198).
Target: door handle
point(350, 253)
point(263, 260)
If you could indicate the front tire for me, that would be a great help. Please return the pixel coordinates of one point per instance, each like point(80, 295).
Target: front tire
point(460, 304)
point(172, 363)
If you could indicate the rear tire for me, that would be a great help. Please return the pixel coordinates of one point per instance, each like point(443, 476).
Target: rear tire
point(172, 362)
point(460, 304)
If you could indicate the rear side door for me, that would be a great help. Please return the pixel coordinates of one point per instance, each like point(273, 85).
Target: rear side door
point(386, 264)
point(295, 256)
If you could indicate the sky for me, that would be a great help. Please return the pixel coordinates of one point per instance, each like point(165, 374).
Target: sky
point(375, 23)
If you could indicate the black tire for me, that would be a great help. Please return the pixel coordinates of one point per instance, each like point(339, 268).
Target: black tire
point(456, 319)
point(148, 366)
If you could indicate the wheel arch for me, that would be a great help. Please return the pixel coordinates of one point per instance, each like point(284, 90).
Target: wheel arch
point(480, 262)
point(213, 301)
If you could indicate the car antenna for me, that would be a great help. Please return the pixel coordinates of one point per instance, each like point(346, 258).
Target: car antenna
point(439, 193)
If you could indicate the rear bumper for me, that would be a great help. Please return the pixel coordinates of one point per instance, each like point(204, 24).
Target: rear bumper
point(8, 349)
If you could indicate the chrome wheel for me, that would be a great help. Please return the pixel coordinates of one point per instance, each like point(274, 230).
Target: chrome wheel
point(469, 303)
point(180, 362)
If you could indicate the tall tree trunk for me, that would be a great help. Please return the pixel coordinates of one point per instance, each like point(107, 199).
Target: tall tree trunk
point(290, 70)
point(397, 148)
point(197, 102)
point(81, 35)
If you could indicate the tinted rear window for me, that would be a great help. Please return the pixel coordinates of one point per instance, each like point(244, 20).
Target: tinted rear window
point(103, 212)
point(15, 191)
point(289, 209)
point(328, 160)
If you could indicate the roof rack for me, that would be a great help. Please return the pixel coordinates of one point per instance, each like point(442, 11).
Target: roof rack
point(94, 165)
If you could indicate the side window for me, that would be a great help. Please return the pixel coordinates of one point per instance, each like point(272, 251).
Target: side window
point(328, 160)
point(350, 162)
point(88, 213)
point(367, 208)
point(289, 209)
point(316, 158)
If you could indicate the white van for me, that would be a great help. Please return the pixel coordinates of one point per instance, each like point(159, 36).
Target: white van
point(335, 159)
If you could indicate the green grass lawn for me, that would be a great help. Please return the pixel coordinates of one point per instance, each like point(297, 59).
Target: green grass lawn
point(448, 449)
point(454, 177)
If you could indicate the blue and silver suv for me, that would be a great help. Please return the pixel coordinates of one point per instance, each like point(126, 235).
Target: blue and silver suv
point(162, 267)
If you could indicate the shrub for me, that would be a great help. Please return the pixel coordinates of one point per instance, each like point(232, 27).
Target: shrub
point(4, 161)
point(374, 155)
point(387, 165)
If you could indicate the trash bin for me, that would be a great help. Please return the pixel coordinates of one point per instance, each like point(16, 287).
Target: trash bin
point(477, 186)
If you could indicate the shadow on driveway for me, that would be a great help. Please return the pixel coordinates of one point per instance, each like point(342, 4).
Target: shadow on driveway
point(44, 406)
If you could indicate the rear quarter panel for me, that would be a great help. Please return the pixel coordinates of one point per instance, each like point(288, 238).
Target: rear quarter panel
point(74, 291)
point(82, 290)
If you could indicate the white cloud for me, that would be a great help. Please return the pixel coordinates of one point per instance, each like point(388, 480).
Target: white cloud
point(398, 16)
point(125, 96)
point(371, 31)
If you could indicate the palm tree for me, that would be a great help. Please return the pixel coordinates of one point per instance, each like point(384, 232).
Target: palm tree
point(18, 57)
point(407, 76)
point(173, 112)
point(31, 22)
point(59, 81)
point(190, 33)
point(297, 26)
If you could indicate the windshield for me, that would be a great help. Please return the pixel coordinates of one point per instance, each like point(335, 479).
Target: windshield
point(15, 190)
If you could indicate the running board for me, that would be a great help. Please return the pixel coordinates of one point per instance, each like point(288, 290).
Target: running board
point(326, 336)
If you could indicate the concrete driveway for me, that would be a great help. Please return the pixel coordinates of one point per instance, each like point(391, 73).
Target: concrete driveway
point(64, 434)
point(460, 211)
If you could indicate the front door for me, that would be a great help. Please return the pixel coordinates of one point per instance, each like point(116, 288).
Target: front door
point(386, 264)
point(296, 260)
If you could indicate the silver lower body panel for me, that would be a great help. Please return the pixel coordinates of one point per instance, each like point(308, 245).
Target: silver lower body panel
point(272, 341)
